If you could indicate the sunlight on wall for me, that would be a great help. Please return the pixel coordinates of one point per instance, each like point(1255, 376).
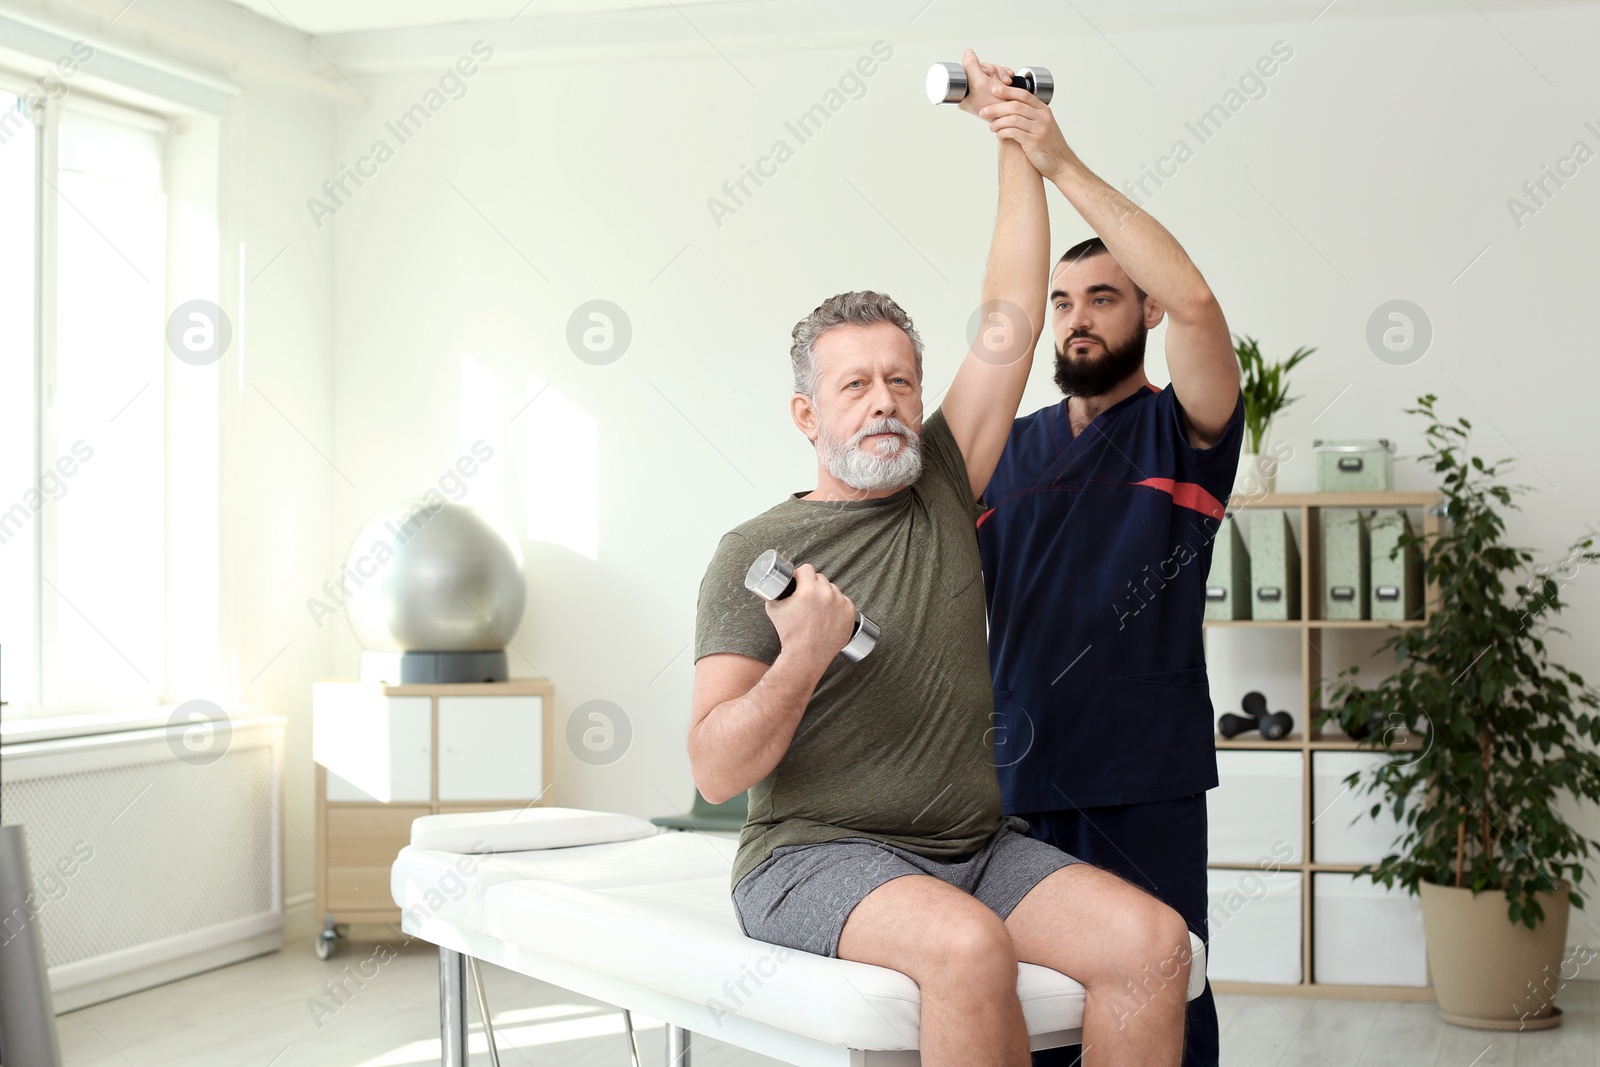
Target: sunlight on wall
point(483, 419)
point(563, 443)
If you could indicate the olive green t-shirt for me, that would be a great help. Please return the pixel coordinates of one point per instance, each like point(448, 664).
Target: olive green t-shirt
point(898, 746)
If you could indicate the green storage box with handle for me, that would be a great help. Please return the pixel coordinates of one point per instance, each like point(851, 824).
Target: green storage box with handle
point(1361, 466)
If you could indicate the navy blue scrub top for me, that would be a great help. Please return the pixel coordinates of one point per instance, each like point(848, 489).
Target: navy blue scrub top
point(1095, 556)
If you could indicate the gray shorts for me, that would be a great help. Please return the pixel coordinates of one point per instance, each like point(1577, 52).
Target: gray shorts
point(801, 895)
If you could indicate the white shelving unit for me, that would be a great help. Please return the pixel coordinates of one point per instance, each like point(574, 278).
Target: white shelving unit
point(1305, 926)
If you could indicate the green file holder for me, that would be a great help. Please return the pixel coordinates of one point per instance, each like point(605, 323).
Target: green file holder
point(1274, 567)
point(1228, 583)
point(1345, 591)
point(1395, 584)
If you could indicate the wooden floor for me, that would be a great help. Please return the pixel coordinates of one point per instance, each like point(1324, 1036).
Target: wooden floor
point(263, 1013)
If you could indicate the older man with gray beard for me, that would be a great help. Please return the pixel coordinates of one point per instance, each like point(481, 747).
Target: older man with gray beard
point(876, 831)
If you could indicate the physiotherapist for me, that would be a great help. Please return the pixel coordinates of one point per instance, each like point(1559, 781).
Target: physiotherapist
point(1096, 543)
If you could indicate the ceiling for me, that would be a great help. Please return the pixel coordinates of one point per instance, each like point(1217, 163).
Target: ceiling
point(342, 16)
point(326, 17)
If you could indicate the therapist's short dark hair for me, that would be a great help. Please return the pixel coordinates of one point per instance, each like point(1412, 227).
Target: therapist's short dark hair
point(1093, 247)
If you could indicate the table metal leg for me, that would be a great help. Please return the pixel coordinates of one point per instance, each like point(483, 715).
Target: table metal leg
point(677, 1046)
point(452, 1009)
point(483, 1010)
point(633, 1039)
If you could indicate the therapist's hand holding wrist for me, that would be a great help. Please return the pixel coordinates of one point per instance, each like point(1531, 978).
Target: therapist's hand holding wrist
point(1017, 115)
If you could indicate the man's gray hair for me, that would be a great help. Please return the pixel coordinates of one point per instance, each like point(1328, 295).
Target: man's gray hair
point(844, 309)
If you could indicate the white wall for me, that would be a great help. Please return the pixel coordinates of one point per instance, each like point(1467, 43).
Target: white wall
point(277, 489)
point(1376, 166)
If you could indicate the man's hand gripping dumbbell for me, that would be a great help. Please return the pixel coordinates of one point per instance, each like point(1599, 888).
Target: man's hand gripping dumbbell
point(805, 607)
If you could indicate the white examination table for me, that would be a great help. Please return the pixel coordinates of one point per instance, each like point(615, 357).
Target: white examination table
point(606, 906)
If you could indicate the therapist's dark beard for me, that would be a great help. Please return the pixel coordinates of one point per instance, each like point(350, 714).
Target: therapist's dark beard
point(1102, 372)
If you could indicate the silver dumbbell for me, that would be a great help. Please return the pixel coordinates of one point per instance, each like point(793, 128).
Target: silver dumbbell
point(947, 83)
point(771, 577)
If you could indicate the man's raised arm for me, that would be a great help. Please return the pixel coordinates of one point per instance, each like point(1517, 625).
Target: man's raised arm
point(1200, 356)
point(982, 400)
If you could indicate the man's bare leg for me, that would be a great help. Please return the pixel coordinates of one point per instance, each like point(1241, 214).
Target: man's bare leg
point(960, 955)
point(1129, 950)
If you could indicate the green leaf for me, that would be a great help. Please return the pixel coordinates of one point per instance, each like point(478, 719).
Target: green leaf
point(1265, 386)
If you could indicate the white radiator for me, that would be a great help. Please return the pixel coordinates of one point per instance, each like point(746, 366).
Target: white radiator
point(149, 864)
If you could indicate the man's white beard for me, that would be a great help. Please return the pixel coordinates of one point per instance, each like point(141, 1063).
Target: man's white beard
point(894, 463)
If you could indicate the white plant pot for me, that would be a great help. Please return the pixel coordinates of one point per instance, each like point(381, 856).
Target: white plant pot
point(1257, 475)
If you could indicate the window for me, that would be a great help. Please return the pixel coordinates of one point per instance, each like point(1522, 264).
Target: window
point(83, 420)
point(19, 646)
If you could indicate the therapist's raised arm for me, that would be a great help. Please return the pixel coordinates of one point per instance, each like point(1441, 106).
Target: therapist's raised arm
point(744, 713)
point(983, 398)
point(1200, 356)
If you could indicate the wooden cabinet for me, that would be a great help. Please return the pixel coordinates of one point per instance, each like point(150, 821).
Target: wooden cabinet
point(361, 843)
point(387, 754)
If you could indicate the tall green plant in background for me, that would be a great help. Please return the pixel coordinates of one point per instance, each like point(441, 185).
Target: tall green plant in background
point(1503, 731)
point(1266, 387)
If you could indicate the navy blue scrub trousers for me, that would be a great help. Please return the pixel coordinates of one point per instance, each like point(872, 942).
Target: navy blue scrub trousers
point(1161, 848)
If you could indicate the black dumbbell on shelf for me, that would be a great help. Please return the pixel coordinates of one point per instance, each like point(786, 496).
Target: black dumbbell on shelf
point(1274, 726)
point(1375, 723)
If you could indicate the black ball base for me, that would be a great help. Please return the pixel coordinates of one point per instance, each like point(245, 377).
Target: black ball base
point(417, 668)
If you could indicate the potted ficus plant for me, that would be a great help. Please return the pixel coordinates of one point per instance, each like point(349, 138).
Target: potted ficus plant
point(1498, 735)
point(1266, 392)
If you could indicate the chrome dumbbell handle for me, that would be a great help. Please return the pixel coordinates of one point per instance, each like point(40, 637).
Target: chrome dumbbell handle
point(771, 577)
point(947, 83)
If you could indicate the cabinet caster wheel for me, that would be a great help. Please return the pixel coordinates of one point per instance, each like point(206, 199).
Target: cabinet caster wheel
point(331, 932)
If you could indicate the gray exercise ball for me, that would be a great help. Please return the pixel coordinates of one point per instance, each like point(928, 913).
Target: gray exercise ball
point(435, 578)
